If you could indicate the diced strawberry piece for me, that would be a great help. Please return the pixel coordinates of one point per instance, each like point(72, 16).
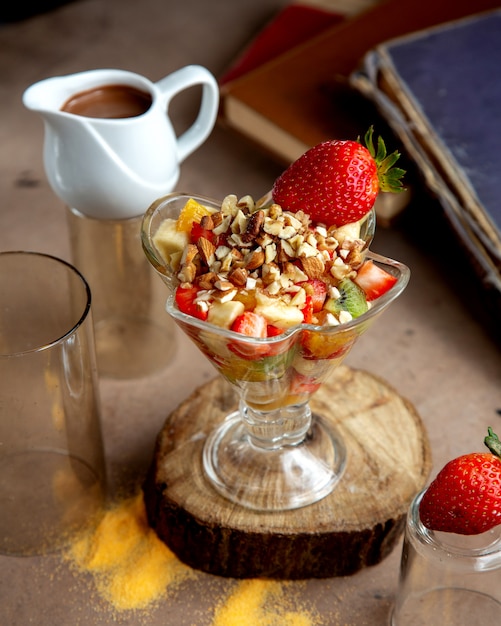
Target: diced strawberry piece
point(307, 310)
point(374, 280)
point(273, 331)
point(252, 325)
point(317, 291)
point(302, 384)
point(197, 232)
point(185, 300)
point(280, 347)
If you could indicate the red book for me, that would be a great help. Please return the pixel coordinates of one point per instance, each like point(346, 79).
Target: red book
point(292, 26)
point(302, 96)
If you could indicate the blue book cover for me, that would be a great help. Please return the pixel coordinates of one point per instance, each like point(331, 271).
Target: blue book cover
point(440, 90)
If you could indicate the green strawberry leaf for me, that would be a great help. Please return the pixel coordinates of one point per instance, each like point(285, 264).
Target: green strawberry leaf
point(389, 176)
point(493, 443)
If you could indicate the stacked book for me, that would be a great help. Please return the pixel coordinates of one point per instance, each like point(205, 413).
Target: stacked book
point(440, 91)
point(430, 70)
point(290, 88)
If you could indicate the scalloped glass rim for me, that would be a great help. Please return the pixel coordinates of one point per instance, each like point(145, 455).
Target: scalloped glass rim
point(164, 207)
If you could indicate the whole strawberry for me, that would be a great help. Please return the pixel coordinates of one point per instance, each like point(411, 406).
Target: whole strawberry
point(465, 497)
point(337, 182)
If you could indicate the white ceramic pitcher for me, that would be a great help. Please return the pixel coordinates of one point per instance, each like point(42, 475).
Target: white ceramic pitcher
point(115, 168)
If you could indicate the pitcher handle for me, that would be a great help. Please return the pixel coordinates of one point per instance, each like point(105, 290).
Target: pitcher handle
point(201, 128)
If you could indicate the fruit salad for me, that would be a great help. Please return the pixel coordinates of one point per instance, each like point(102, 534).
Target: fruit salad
point(285, 282)
point(259, 270)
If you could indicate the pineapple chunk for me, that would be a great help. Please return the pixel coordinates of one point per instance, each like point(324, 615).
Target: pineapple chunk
point(349, 231)
point(170, 242)
point(278, 312)
point(223, 314)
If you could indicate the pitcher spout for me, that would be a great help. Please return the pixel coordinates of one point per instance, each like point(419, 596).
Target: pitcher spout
point(49, 95)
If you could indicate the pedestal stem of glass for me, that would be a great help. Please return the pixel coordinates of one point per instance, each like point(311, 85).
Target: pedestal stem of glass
point(273, 429)
point(274, 460)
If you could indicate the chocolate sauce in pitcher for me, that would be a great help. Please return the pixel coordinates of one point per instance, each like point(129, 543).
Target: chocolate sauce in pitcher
point(109, 101)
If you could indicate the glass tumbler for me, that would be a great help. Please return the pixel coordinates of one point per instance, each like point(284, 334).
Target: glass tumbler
point(134, 337)
point(52, 466)
point(448, 579)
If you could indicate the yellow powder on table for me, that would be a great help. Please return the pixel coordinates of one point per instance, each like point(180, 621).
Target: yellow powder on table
point(260, 603)
point(132, 568)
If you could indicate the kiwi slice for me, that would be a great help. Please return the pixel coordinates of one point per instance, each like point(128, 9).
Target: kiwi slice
point(352, 299)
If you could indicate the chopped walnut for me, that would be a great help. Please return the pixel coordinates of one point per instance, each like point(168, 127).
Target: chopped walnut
point(254, 224)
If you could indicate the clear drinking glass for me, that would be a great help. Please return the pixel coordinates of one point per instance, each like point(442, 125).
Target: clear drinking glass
point(271, 454)
point(447, 579)
point(52, 468)
point(128, 303)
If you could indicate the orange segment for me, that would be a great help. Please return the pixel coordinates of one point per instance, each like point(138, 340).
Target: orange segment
point(192, 211)
point(318, 345)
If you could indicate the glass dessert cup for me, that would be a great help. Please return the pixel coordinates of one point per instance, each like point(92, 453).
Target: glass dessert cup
point(272, 453)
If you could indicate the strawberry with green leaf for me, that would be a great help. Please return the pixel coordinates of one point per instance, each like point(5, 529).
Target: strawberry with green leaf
point(337, 182)
point(465, 497)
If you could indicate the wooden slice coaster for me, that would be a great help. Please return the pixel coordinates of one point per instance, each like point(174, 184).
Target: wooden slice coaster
point(388, 461)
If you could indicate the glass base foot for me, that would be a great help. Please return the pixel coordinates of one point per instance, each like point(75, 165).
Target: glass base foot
point(447, 607)
point(287, 477)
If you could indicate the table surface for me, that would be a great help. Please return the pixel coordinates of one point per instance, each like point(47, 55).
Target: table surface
point(431, 345)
